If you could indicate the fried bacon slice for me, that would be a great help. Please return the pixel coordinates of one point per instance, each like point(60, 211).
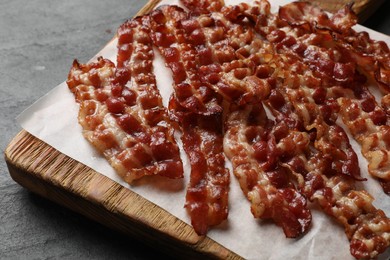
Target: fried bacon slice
point(199, 113)
point(121, 110)
point(367, 227)
point(203, 6)
point(175, 39)
point(369, 125)
point(254, 145)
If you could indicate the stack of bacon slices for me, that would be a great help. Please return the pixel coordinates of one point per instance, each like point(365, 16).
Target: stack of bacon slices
point(269, 92)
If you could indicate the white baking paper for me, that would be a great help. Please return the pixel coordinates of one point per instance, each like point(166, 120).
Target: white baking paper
point(53, 119)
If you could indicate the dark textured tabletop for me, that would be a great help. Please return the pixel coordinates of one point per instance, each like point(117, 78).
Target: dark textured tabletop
point(38, 42)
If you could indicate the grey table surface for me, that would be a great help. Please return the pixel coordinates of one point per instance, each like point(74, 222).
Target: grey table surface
point(38, 42)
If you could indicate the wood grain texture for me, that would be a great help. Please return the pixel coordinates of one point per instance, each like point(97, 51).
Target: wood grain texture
point(42, 169)
point(45, 171)
point(363, 8)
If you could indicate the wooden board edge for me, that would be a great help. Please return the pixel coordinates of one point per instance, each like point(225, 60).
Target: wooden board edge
point(367, 10)
point(363, 8)
point(27, 157)
point(148, 7)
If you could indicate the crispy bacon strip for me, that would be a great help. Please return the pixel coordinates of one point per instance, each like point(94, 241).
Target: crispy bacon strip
point(366, 51)
point(255, 147)
point(123, 116)
point(203, 6)
point(199, 114)
point(313, 17)
point(367, 227)
point(370, 128)
point(180, 55)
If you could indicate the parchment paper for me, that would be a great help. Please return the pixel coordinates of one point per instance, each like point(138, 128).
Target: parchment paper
point(53, 119)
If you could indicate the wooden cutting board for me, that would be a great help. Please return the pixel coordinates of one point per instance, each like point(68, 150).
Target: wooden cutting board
point(45, 171)
point(363, 8)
